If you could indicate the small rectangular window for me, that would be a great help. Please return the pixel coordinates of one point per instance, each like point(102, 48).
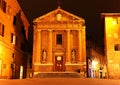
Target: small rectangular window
point(13, 55)
point(115, 20)
point(117, 47)
point(23, 31)
point(1, 29)
point(3, 5)
point(13, 39)
point(14, 20)
point(59, 39)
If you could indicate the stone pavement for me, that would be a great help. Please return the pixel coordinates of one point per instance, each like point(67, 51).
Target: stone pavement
point(60, 81)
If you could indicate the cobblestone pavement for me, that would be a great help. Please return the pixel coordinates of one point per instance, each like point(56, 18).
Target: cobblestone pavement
point(60, 81)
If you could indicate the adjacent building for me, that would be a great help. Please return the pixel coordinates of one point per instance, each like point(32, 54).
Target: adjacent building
point(59, 43)
point(13, 37)
point(111, 22)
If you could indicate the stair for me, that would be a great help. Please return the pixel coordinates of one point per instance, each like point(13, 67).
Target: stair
point(57, 75)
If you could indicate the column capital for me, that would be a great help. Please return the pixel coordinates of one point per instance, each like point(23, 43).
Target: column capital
point(50, 30)
point(79, 30)
point(68, 30)
point(38, 30)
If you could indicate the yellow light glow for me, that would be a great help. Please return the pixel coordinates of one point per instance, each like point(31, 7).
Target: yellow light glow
point(110, 61)
point(115, 35)
point(114, 22)
point(94, 64)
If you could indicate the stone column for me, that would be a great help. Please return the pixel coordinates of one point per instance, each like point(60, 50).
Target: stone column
point(79, 46)
point(38, 46)
point(50, 47)
point(68, 56)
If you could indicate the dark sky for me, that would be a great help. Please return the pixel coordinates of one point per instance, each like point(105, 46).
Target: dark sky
point(88, 9)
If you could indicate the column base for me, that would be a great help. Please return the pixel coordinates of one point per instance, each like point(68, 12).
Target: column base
point(67, 63)
point(43, 68)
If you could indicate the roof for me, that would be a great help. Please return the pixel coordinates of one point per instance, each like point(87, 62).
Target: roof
point(110, 14)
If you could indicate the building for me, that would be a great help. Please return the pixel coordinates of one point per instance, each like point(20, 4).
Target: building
point(111, 22)
point(96, 61)
point(13, 37)
point(59, 42)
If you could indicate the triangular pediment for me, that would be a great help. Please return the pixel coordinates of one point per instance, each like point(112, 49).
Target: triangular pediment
point(58, 15)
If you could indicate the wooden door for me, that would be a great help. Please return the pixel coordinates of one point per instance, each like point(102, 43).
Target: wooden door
point(59, 65)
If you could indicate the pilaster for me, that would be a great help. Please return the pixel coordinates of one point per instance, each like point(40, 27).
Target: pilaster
point(50, 47)
point(79, 46)
point(68, 56)
point(38, 46)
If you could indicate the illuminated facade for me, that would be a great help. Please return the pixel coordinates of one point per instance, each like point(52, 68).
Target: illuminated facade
point(112, 43)
point(59, 43)
point(13, 35)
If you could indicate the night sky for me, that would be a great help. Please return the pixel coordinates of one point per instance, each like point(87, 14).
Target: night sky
point(88, 9)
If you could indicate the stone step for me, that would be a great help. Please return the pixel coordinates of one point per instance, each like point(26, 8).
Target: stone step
point(57, 75)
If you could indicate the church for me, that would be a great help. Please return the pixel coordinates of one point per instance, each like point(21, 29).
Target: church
point(59, 43)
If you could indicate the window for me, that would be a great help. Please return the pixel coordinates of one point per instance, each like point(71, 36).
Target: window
point(23, 31)
point(59, 39)
point(13, 38)
point(14, 20)
point(13, 55)
point(115, 21)
point(3, 5)
point(117, 47)
point(1, 29)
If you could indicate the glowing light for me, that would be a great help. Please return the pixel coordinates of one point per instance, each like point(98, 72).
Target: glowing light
point(94, 64)
point(59, 58)
point(114, 22)
point(21, 72)
point(115, 35)
point(110, 61)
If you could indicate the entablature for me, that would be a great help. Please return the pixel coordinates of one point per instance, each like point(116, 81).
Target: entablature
point(60, 27)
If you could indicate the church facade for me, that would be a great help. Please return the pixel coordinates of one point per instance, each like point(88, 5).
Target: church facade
point(59, 43)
